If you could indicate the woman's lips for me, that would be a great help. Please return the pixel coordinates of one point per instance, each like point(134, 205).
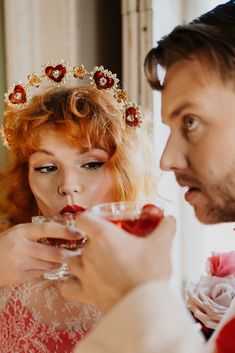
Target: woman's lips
point(72, 209)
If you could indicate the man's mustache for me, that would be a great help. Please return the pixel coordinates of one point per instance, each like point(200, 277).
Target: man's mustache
point(187, 180)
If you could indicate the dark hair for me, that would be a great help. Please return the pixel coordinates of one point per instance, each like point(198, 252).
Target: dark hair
point(210, 36)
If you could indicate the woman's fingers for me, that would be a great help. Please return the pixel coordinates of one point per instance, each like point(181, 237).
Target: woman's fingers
point(36, 231)
point(48, 253)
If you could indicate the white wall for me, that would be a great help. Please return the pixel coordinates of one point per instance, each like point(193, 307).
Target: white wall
point(166, 15)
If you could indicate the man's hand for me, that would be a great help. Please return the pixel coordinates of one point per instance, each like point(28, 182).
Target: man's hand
point(114, 261)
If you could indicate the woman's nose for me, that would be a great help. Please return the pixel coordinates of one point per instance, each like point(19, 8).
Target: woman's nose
point(69, 189)
point(173, 157)
point(69, 183)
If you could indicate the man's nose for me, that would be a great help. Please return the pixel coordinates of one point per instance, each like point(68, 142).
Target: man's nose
point(173, 157)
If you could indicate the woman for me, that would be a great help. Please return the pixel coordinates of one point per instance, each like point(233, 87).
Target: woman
point(70, 148)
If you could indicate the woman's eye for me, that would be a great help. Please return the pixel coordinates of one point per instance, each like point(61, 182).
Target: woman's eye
point(93, 165)
point(190, 123)
point(46, 169)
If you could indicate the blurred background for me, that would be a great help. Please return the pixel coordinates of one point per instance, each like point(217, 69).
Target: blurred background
point(116, 34)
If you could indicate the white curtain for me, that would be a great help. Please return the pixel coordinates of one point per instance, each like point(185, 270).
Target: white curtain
point(37, 32)
point(137, 38)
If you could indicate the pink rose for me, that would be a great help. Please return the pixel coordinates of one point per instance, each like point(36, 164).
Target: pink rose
point(210, 299)
point(221, 264)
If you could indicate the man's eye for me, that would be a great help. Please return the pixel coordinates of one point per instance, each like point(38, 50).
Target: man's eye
point(93, 165)
point(46, 169)
point(190, 123)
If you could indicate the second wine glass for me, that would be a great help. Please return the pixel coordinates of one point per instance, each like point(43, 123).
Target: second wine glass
point(68, 220)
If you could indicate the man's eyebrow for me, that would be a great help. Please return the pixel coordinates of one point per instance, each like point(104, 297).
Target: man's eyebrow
point(179, 109)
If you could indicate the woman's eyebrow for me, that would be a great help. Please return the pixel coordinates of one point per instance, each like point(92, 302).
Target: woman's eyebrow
point(94, 152)
point(43, 151)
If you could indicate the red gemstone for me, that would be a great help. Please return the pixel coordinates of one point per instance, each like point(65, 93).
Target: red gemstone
point(103, 81)
point(56, 73)
point(132, 118)
point(18, 96)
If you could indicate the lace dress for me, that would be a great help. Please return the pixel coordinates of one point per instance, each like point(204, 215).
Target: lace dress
point(35, 318)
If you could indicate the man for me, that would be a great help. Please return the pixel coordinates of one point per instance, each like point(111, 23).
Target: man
point(127, 276)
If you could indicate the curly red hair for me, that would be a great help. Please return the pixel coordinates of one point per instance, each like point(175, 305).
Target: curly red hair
point(86, 118)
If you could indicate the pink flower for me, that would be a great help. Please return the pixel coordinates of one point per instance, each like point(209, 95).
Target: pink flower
point(221, 264)
point(210, 299)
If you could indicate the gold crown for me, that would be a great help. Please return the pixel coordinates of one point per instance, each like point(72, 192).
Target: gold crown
point(19, 95)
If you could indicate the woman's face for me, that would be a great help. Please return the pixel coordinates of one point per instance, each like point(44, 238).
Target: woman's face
point(61, 175)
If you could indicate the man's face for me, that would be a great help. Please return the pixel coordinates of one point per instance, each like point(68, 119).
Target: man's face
point(199, 109)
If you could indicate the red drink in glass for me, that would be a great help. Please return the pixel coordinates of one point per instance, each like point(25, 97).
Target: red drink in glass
point(136, 217)
point(63, 243)
point(67, 219)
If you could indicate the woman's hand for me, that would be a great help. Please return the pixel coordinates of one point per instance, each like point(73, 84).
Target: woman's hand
point(22, 258)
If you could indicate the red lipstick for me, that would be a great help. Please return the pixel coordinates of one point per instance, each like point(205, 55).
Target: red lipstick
point(72, 209)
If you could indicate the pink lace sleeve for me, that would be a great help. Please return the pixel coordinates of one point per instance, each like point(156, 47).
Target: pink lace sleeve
point(35, 318)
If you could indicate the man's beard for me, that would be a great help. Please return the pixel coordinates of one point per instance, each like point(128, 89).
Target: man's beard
point(220, 205)
point(218, 212)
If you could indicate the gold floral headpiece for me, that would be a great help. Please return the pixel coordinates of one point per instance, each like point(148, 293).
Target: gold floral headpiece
point(19, 95)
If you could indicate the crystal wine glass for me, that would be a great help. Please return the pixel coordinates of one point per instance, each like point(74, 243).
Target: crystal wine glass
point(69, 220)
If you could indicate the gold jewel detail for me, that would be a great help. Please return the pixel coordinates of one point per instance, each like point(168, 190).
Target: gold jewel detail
point(19, 95)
